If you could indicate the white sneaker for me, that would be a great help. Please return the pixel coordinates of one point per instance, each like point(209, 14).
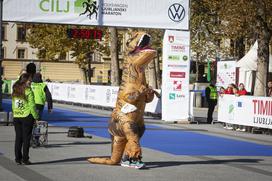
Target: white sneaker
point(133, 164)
point(230, 128)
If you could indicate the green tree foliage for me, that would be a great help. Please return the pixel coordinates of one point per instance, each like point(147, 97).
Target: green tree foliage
point(206, 34)
point(213, 21)
point(205, 30)
point(252, 20)
point(52, 42)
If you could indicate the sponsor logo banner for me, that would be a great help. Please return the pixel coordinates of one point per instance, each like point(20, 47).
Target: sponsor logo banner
point(175, 82)
point(246, 110)
point(177, 74)
point(130, 13)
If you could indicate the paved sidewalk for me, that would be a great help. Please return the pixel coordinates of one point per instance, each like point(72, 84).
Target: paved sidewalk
point(65, 158)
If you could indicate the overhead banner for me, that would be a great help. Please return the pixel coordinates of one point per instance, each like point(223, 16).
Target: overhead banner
point(175, 75)
point(226, 73)
point(170, 14)
point(246, 110)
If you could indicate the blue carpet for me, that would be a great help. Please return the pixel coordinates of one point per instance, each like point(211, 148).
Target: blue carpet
point(175, 142)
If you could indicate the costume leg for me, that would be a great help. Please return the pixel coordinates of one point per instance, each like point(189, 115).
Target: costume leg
point(133, 148)
point(127, 149)
point(118, 146)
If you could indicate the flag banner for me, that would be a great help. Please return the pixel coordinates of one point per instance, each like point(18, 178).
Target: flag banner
point(209, 71)
point(170, 14)
point(175, 76)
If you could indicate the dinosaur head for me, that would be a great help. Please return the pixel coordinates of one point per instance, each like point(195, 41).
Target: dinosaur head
point(139, 41)
point(139, 51)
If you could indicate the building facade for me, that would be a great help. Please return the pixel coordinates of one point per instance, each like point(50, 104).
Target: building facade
point(17, 53)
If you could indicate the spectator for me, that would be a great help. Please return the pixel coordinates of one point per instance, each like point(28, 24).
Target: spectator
point(41, 94)
point(242, 90)
point(229, 89)
point(235, 91)
point(221, 90)
point(238, 92)
point(48, 80)
point(24, 113)
point(31, 69)
point(269, 86)
point(211, 97)
point(23, 71)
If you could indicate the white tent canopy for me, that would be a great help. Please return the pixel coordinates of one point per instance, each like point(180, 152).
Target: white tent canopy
point(249, 61)
point(248, 64)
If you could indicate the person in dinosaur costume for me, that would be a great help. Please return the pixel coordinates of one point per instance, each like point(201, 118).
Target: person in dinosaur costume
point(126, 125)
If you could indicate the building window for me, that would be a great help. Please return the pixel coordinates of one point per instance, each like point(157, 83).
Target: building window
point(21, 33)
point(62, 56)
point(3, 52)
point(42, 54)
point(21, 53)
point(4, 36)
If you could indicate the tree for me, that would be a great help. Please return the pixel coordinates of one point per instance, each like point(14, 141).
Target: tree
point(206, 33)
point(241, 18)
point(52, 42)
point(156, 43)
point(115, 76)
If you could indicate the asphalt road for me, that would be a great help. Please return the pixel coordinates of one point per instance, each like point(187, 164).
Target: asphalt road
point(64, 158)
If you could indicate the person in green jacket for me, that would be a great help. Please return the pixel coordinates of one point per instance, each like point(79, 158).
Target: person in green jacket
point(24, 113)
point(211, 97)
point(41, 94)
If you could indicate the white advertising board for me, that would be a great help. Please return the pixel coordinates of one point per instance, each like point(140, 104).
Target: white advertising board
point(104, 96)
point(175, 76)
point(246, 110)
point(170, 14)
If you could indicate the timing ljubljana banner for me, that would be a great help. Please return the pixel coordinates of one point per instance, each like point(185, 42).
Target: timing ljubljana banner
point(246, 110)
point(170, 14)
point(175, 76)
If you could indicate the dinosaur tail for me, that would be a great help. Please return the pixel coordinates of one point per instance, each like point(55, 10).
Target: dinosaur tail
point(118, 146)
point(103, 160)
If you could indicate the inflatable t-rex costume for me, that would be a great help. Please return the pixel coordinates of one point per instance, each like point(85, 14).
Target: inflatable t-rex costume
point(127, 124)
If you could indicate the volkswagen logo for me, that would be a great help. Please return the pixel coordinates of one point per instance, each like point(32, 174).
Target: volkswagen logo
point(176, 12)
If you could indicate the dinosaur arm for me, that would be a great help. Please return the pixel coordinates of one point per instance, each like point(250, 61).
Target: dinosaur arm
point(149, 95)
point(144, 57)
point(132, 94)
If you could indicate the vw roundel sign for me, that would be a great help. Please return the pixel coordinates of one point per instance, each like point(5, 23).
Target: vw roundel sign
point(176, 12)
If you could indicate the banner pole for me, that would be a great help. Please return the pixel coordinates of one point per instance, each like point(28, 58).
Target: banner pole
point(1, 56)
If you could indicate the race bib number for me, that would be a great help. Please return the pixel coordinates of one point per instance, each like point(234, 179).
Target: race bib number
point(19, 104)
point(127, 108)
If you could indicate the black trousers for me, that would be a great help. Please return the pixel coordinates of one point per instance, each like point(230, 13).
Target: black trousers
point(39, 109)
point(23, 130)
point(211, 106)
